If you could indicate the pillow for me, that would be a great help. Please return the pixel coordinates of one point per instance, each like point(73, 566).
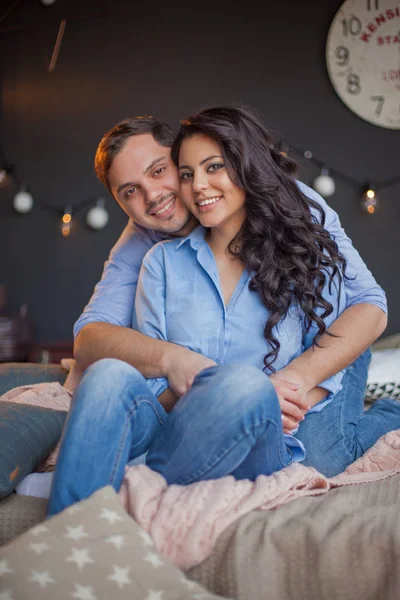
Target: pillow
point(384, 375)
point(27, 435)
point(94, 551)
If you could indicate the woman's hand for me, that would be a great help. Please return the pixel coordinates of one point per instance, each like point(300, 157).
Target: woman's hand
point(292, 397)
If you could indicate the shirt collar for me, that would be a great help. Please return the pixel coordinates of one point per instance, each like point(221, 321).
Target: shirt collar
point(195, 238)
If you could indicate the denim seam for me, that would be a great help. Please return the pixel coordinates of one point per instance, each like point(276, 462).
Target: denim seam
point(237, 440)
point(137, 401)
point(344, 434)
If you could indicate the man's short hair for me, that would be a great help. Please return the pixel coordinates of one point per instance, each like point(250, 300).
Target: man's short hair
point(114, 140)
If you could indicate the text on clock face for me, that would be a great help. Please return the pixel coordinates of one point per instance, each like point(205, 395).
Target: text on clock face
point(378, 21)
point(388, 40)
point(363, 59)
point(391, 75)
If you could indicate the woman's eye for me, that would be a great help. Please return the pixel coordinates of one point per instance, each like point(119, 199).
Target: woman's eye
point(185, 176)
point(215, 167)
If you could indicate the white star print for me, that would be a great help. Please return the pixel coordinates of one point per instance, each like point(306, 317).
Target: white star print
point(83, 592)
point(75, 533)
point(146, 538)
point(42, 578)
point(153, 559)
point(155, 595)
point(39, 548)
point(116, 540)
point(4, 568)
point(110, 515)
point(80, 557)
point(6, 595)
point(120, 576)
point(39, 529)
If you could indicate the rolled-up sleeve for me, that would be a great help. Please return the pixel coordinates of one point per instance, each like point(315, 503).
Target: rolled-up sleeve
point(113, 297)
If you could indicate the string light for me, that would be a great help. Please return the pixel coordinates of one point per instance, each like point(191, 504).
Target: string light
point(324, 184)
point(23, 200)
point(97, 217)
point(369, 200)
point(66, 222)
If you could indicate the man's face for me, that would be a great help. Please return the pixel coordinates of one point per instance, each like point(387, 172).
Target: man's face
point(145, 183)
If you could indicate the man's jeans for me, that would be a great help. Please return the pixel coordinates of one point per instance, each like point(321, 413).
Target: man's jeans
point(228, 423)
point(342, 431)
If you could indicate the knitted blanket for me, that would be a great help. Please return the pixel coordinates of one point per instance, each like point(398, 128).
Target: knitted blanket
point(186, 521)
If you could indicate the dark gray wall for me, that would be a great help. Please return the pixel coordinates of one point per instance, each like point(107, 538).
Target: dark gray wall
point(167, 61)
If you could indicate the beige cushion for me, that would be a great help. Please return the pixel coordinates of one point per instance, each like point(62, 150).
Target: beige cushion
point(344, 545)
point(91, 551)
point(19, 513)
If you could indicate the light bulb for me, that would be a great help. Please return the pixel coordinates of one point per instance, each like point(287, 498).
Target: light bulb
point(369, 201)
point(97, 217)
point(324, 184)
point(66, 222)
point(23, 201)
point(65, 229)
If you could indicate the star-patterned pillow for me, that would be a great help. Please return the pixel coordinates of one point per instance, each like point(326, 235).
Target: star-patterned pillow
point(91, 551)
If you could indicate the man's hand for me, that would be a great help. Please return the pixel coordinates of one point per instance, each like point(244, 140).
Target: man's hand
point(292, 398)
point(182, 366)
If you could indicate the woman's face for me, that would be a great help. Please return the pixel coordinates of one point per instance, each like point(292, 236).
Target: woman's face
point(206, 187)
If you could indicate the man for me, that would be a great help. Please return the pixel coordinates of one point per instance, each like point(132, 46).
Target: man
point(133, 162)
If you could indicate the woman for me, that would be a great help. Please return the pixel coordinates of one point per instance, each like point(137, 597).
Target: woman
point(261, 263)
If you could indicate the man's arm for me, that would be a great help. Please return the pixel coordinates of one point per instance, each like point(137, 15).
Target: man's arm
point(356, 329)
point(153, 358)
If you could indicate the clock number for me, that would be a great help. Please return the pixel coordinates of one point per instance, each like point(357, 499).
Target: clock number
point(380, 100)
point(369, 2)
point(352, 26)
point(343, 55)
point(353, 84)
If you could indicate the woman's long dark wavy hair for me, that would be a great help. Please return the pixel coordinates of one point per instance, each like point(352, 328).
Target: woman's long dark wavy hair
point(281, 241)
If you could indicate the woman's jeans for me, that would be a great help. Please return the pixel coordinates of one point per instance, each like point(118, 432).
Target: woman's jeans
point(229, 422)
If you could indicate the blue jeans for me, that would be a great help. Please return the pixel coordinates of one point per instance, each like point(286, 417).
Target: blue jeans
point(342, 431)
point(229, 422)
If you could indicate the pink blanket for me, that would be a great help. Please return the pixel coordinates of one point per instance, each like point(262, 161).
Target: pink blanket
point(48, 395)
point(185, 521)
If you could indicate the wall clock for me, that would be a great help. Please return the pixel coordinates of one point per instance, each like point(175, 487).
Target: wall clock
point(363, 59)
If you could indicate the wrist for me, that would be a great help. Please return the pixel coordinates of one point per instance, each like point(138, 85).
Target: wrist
point(169, 358)
point(294, 375)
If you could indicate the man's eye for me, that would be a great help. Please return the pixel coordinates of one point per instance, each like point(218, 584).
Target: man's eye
point(159, 171)
point(214, 167)
point(185, 176)
point(129, 192)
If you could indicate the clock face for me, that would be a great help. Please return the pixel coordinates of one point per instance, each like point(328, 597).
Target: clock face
point(363, 59)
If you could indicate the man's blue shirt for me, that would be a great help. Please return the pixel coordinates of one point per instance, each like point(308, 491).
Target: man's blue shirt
point(113, 297)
